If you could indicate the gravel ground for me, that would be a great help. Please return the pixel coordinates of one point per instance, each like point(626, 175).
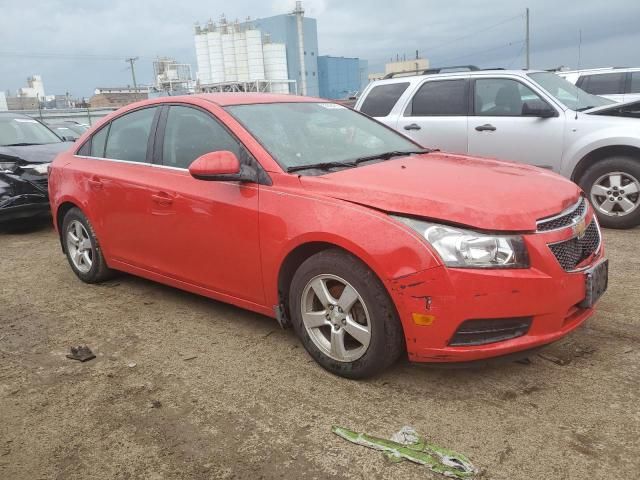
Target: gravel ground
point(186, 387)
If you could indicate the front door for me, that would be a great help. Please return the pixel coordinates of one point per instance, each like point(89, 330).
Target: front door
point(503, 128)
point(206, 232)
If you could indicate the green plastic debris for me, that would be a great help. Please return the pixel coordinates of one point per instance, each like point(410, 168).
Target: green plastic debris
point(408, 445)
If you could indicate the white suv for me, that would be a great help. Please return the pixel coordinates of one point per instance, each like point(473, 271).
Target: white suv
point(617, 84)
point(533, 117)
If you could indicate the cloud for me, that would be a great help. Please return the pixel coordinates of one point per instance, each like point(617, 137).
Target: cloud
point(77, 45)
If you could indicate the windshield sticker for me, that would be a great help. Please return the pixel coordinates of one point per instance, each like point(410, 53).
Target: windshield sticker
point(332, 106)
point(25, 120)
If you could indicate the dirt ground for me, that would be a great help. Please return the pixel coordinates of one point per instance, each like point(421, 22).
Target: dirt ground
point(186, 387)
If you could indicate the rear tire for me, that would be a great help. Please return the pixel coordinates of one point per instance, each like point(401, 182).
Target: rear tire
point(82, 248)
point(613, 186)
point(357, 341)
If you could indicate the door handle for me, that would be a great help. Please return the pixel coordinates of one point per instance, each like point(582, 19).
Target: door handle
point(486, 126)
point(412, 126)
point(162, 198)
point(95, 183)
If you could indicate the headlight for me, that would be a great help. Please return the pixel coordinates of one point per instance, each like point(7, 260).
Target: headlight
point(39, 167)
point(7, 166)
point(462, 248)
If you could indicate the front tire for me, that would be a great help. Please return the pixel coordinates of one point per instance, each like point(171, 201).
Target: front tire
point(613, 187)
point(82, 248)
point(343, 315)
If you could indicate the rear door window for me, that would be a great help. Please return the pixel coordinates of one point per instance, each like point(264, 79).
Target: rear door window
point(381, 99)
point(442, 97)
point(602, 83)
point(129, 136)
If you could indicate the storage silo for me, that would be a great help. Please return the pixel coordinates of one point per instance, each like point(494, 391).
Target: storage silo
point(240, 45)
point(275, 65)
point(202, 55)
point(216, 59)
point(229, 54)
point(255, 59)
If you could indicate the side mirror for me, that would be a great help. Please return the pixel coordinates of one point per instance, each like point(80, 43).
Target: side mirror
point(538, 108)
point(222, 165)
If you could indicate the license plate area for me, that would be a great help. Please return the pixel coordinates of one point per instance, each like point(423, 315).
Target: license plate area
point(596, 282)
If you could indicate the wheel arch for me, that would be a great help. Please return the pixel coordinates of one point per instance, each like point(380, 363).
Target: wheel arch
point(297, 256)
point(602, 153)
point(61, 211)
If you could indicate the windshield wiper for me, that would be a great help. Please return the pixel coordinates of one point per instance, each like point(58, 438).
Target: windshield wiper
point(388, 155)
point(22, 144)
point(585, 108)
point(320, 166)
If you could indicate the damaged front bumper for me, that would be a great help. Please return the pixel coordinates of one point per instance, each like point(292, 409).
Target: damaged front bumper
point(466, 315)
point(22, 196)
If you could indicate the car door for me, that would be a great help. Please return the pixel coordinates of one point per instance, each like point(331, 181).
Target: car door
point(116, 182)
point(206, 232)
point(436, 115)
point(505, 125)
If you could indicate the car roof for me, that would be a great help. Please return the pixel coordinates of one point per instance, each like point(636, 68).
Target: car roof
point(470, 73)
point(240, 98)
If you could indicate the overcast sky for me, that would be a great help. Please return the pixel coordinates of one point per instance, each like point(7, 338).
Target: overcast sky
point(77, 45)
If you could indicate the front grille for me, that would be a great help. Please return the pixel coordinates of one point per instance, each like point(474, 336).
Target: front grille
point(572, 252)
point(482, 332)
point(565, 218)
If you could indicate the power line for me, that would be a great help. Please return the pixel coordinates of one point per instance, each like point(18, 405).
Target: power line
point(64, 56)
point(486, 50)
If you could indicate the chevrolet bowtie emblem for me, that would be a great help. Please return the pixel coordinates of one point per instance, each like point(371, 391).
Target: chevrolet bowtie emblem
point(579, 227)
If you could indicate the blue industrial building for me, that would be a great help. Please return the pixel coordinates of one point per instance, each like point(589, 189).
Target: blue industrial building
point(340, 77)
point(283, 29)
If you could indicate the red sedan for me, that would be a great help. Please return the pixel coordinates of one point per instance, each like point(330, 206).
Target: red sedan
point(309, 212)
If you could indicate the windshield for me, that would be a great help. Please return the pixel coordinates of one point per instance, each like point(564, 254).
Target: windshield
point(566, 92)
point(24, 131)
point(298, 134)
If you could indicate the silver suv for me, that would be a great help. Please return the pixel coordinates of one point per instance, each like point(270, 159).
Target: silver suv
point(534, 117)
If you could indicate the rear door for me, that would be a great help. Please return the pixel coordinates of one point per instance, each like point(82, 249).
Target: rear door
point(115, 176)
point(436, 115)
point(206, 232)
point(500, 127)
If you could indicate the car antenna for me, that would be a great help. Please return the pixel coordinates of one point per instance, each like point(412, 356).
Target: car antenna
point(579, 66)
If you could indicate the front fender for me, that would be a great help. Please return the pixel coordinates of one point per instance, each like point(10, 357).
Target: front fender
point(596, 139)
point(389, 248)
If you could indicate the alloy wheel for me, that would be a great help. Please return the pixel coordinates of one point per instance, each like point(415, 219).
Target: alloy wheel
point(79, 246)
point(615, 194)
point(336, 318)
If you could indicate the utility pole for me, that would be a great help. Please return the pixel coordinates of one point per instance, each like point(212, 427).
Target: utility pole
point(133, 71)
point(527, 41)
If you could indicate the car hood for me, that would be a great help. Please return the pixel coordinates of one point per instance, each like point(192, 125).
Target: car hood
point(481, 193)
point(629, 109)
point(34, 153)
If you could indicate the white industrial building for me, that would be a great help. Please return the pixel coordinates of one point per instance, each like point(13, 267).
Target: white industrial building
point(238, 57)
point(35, 88)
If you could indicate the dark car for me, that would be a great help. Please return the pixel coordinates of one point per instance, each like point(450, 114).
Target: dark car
point(68, 129)
point(27, 147)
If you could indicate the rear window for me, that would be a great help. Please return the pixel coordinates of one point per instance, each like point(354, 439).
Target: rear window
point(382, 98)
point(444, 97)
point(603, 83)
